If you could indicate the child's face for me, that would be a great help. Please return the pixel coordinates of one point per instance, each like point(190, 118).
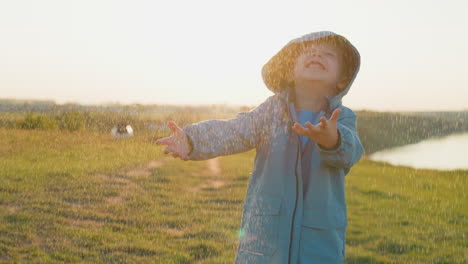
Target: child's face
point(319, 62)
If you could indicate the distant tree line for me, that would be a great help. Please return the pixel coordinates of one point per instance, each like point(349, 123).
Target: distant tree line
point(72, 120)
point(377, 130)
point(30, 114)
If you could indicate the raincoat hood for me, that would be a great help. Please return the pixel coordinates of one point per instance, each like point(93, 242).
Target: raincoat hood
point(273, 70)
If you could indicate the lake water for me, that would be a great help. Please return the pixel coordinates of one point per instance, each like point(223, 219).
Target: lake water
point(444, 153)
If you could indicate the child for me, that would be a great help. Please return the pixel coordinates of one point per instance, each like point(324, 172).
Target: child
point(295, 209)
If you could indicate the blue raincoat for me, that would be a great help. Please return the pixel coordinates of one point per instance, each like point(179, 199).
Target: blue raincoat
point(295, 209)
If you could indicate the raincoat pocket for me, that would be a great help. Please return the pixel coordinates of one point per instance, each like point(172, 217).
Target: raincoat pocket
point(322, 242)
point(325, 246)
point(260, 223)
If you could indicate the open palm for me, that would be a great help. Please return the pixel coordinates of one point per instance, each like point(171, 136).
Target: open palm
point(177, 143)
point(324, 133)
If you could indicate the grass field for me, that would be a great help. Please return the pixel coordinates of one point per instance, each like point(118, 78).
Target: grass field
point(86, 197)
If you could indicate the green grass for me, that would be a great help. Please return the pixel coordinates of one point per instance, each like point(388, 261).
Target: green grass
point(404, 215)
point(65, 197)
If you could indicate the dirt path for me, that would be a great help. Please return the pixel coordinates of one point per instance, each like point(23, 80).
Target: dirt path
point(127, 187)
point(213, 175)
point(145, 171)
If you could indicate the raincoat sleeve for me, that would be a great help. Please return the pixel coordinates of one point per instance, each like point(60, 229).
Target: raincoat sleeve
point(350, 149)
point(212, 138)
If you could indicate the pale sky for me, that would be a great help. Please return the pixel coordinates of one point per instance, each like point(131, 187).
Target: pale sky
point(414, 53)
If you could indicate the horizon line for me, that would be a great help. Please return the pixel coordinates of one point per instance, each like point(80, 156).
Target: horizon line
point(107, 103)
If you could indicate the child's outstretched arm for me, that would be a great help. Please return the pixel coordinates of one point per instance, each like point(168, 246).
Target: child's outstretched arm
point(336, 138)
point(212, 138)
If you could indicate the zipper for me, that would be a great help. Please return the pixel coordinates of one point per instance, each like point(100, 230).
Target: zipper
point(294, 211)
point(291, 115)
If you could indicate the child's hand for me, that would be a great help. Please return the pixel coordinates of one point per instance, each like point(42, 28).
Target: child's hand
point(177, 143)
point(324, 133)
